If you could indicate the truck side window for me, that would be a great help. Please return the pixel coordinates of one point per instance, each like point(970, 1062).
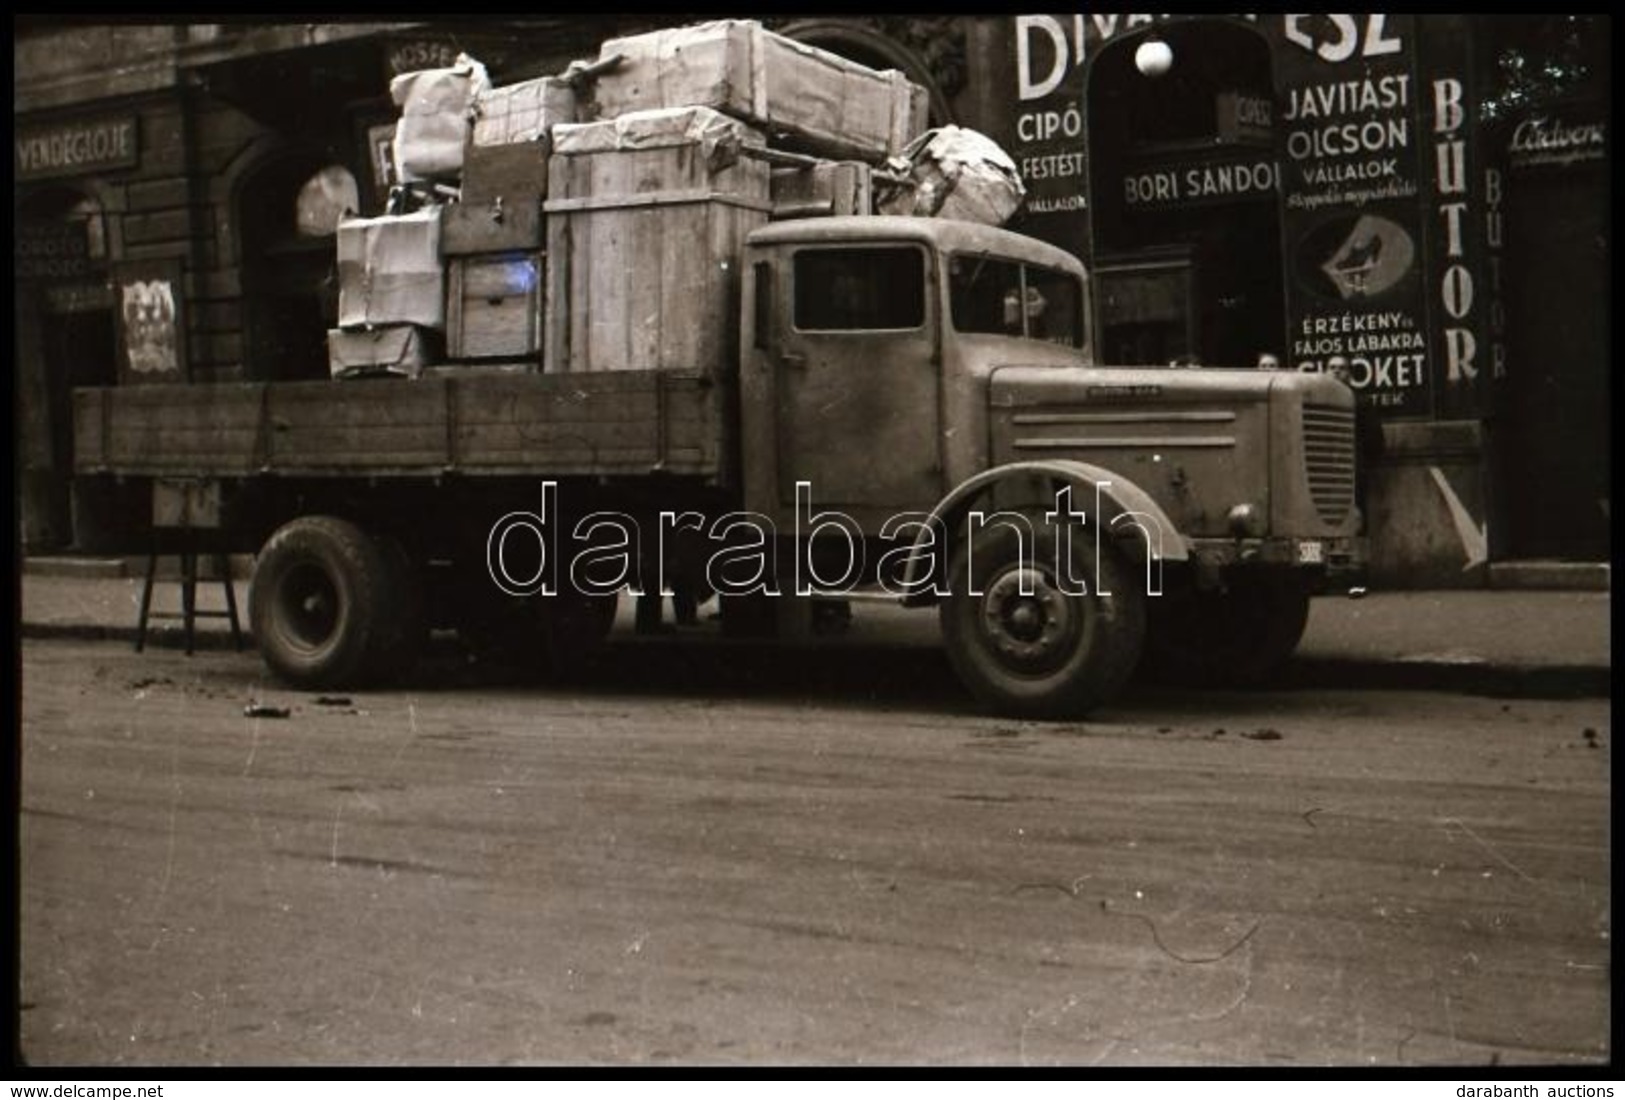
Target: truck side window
point(846, 289)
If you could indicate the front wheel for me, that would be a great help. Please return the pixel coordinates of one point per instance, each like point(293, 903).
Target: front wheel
point(1031, 642)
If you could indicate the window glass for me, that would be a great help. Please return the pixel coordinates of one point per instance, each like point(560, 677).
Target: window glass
point(1012, 299)
point(88, 212)
point(851, 289)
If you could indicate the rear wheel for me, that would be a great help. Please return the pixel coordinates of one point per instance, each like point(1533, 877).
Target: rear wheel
point(1030, 643)
point(325, 603)
point(1239, 636)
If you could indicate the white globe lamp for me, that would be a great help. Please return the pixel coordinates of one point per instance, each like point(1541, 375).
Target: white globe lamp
point(1153, 58)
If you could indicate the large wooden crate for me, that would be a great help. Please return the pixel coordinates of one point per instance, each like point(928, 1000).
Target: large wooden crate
point(823, 102)
point(646, 221)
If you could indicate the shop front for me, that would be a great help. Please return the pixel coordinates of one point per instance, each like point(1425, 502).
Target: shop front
point(1325, 192)
point(65, 331)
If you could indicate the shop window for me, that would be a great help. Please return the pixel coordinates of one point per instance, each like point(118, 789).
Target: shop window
point(87, 215)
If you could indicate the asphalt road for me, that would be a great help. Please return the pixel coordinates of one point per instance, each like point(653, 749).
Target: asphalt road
point(720, 856)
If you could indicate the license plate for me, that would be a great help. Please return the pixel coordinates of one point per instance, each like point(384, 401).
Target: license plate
point(1311, 552)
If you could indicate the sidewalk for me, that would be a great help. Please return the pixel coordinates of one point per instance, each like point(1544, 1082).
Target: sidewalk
point(1481, 640)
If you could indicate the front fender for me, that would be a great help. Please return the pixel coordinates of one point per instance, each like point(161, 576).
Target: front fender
point(1121, 509)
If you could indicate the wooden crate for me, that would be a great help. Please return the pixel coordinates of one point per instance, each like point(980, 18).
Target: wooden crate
point(826, 189)
point(514, 173)
point(826, 104)
point(646, 222)
point(504, 224)
point(494, 306)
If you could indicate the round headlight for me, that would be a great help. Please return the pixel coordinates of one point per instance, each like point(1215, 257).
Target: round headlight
point(1244, 520)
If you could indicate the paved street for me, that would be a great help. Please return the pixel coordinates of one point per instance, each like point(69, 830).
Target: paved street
point(724, 856)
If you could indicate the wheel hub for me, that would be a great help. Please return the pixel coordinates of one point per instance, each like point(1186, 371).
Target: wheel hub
point(309, 605)
point(1025, 617)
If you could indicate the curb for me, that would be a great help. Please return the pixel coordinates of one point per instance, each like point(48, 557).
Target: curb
point(158, 637)
point(131, 568)
point(1456, 678)
point(1551, 576)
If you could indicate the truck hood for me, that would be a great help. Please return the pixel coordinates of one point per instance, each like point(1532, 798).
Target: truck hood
point(1200, 442)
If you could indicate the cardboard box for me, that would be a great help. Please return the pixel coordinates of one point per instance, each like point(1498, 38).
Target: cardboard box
point(524, 112)
point(390, 271)
point(827, 105)
point(646, 218)
point(434, 126)
point(400, 351)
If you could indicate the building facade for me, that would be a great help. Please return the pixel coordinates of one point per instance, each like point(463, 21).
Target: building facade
point(1318, 188)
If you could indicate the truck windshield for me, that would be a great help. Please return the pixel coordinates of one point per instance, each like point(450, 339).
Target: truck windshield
point(1015, 299)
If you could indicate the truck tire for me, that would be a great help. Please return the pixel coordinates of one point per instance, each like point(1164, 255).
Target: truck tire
point(321, 604)
point(1240, 636)
point(1053, 654)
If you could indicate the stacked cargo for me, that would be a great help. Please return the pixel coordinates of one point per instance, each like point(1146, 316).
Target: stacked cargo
point(392, 280)
point(618, 195)
point(690, 139)
point(810, 100)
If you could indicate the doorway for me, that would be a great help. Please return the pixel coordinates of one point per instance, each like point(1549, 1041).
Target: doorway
point(65, 338)
point(1184, 198)
point(80, 349)
point(289, 214)
point(1555, 411)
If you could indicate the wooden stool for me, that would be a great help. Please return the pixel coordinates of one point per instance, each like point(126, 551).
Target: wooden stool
point(189, 612)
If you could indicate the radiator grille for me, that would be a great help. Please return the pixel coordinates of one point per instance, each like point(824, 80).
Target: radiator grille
point(1328, 448)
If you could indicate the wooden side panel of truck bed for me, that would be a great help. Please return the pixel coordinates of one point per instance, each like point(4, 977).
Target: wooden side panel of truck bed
point(611, 423)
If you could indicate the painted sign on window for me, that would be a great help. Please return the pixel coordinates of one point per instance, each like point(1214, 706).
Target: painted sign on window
point(151, 329)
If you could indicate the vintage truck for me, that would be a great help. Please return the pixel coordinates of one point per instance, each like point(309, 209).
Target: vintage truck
point(695, 393)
